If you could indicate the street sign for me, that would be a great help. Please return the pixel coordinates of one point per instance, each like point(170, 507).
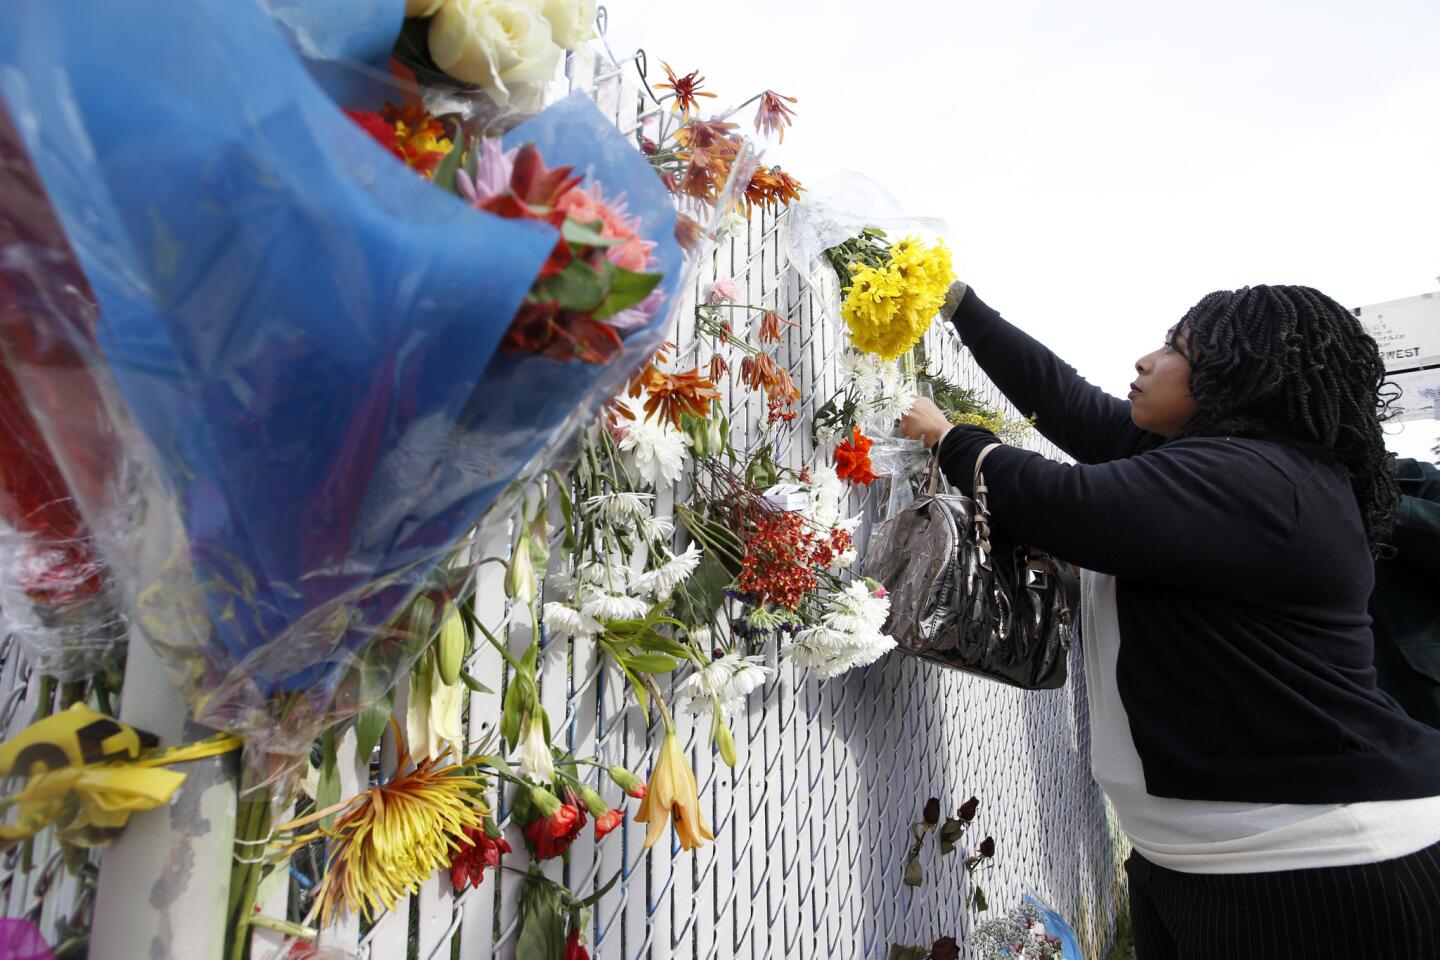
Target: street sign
point(1407, 331)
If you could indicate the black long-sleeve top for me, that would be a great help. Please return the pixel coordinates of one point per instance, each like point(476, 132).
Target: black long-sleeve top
point(1242, 576)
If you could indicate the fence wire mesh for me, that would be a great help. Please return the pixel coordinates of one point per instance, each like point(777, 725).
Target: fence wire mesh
point(813, 824)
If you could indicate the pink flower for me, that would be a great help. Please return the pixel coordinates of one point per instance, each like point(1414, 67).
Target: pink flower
point(724, 291)
point(627, 321)
point(493, 170)
point(632, 255)
point(587, 204)
point(881, 592)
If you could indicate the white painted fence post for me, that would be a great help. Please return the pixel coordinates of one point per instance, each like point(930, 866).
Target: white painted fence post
point(164, 884)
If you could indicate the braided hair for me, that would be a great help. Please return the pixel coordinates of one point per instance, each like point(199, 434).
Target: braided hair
point(1289, 363)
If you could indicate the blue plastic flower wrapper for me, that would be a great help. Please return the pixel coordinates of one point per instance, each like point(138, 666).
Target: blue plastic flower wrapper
point(301, 337)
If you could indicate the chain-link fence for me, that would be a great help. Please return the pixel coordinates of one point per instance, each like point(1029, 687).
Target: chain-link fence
point(812, 825)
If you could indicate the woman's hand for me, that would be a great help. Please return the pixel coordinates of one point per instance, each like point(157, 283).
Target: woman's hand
point(924, 422)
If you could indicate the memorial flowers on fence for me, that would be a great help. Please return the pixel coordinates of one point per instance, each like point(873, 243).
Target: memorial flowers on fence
point(893, 290)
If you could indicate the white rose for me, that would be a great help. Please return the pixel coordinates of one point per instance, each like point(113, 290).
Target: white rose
point(421, 8)
point(571, 21)
point(496, 44)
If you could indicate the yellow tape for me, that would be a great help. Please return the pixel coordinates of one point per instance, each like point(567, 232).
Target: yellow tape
point(87, 773)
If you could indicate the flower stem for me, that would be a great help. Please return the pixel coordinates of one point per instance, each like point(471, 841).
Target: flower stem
point(660, 702)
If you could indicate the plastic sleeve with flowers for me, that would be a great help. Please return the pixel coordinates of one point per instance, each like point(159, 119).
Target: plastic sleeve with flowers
point(315, 351)
point(839, 210)
point(57, 597)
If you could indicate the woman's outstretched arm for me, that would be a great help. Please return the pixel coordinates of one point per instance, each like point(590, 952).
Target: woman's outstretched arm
point(1078, 417)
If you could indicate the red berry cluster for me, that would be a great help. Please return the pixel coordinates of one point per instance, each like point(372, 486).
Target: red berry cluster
point(783, 553)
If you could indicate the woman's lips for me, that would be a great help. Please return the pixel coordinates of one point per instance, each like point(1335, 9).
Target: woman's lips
point(1135, 391)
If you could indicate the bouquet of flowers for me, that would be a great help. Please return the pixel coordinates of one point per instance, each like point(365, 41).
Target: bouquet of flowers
point(57, 596)
point(328, 368)
point(893, 289)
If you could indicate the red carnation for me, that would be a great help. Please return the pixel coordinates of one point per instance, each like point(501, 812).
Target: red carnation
point(608, 821)
point(552, 836)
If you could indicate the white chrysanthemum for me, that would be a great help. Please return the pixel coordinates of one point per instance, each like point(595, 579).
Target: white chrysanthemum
point(884, 393)
point(857, 610)
point(700, 636)
point(565, 619)
point(623, 507)
point(848, 635)
point(607, 576)
point(749, 675)
point(827, 493)
point(846, 560)
point(728, 679)
point(657, 528)
point(653, 447)
point(662, 581)
point(615, 606)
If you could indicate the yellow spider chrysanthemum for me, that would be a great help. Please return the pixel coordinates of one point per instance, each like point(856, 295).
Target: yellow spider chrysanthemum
point(389, 840)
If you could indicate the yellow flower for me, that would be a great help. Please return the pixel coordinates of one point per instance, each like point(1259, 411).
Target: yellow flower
point(889, 308)
point(394, 837)
point(673, 792)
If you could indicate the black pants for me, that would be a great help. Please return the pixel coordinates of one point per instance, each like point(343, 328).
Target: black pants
point(1376, 911)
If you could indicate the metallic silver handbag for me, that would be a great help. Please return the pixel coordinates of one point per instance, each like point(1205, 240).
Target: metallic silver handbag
point(962, 598)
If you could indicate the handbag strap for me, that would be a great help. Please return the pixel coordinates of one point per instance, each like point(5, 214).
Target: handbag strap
point(932, 476)
point(979, 488)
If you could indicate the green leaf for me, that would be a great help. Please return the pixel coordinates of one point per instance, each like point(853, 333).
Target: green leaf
point(444, 177)
point(512, 714)
point(652, 662)
point(704, 591)
point(594, 898)
point(578, 287)
point(327, 788)
point(656, 643)
point(587, 234)
point(495, 763)
point(370, 726)
point(627, 288)
point(475, 685)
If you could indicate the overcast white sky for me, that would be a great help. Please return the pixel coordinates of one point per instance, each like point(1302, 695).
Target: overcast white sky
point(1105, 164)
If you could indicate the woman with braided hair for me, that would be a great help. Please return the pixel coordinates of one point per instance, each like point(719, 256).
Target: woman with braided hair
point(1227, 516)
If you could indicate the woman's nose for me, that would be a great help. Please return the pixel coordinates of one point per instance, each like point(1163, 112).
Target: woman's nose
point(1143, 364)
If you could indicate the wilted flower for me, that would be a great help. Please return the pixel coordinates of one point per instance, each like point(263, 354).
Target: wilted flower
point(672, 395)
point(621, 507)
point(771, 187)
point(770, 326)
point(688, 232)
point(685, 88)
point(566, 619)
point(772, 116)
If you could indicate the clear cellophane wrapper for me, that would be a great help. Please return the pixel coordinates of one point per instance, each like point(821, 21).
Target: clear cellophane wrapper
point(298, 342)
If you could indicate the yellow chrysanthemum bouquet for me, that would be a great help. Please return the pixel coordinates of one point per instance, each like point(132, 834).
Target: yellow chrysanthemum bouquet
point(892, 290)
